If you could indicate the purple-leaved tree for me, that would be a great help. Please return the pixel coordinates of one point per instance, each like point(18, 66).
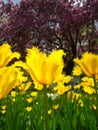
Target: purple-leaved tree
point(50, 24)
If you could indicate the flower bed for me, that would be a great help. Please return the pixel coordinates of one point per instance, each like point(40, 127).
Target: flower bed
point(36, 95)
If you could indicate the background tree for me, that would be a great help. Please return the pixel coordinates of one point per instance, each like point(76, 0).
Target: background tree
point(50, 24)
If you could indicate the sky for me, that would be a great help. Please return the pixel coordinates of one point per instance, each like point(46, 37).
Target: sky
point(15, 1)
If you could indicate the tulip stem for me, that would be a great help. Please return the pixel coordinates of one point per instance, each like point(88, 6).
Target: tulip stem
point(46, 109)
point(96, 96)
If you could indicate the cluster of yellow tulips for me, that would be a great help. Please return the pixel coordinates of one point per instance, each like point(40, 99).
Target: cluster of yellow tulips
point(42, 68)
point(8, 74)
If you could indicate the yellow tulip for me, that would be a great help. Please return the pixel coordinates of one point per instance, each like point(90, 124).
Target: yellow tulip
point(33, 94)
point(88, 64)
point(8, 79)
point(42, 68)
point(13, 93)
point(28, 109)
point(21, 78)
point(56, 106)
point(3, 111)
point(49, 111)
point(29, 100)
point(6, 55)
point(77, 71)
point(3, 107)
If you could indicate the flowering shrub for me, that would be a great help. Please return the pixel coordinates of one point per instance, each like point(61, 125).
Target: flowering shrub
point(36, 95)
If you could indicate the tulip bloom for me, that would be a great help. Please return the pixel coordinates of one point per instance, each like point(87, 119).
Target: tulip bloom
point(6, 55)
point(8, 79)
point(42, 68)
point(88, 64)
